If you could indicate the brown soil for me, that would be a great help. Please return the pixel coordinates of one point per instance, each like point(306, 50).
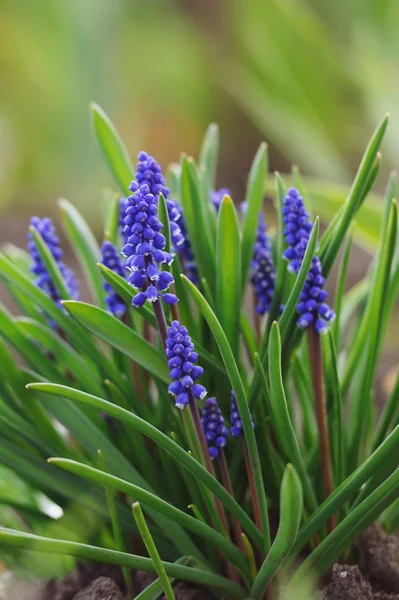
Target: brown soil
point(97, 581)
point(377, 575)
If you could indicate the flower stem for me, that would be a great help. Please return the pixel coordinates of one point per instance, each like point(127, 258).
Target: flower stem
point(226, 480)
point(252, 486)
point(161, 322)
point(316, 362)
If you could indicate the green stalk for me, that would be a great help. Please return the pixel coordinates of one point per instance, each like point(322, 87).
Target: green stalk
point(118, 538)
point(152, 551)
point(316, 361)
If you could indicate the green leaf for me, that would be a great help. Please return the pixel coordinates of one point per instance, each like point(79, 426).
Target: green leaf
point(163, 441)
point(152, 551)
point(334, 409)
point(340, 288)
point(228, 272)
point(121, 337)
point(208, 157)
point(242, 403)
point(332, 547)
point(155, 589)
point(147, 498)
point(283, 427)
point(329, 252)
point(126, 292)
point(85, 247)
point(373, 464)
point(115, 154)
point(164, 218)
point(291, 506)
point(93, 553)
point(82, 371)
point(363, 398)
point(195, 215)
point(254, 200)
point(111, 227)
point(75, 332)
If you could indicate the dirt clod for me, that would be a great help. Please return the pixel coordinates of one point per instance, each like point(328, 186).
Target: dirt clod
point(348, 583)
point(102, 588)
point(379, 558)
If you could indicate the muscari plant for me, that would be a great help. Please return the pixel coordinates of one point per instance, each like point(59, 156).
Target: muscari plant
point(242, 434)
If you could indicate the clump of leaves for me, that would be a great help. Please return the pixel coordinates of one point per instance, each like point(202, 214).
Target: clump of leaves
point(289, 427)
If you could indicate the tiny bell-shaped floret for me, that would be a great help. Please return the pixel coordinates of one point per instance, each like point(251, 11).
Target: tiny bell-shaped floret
point(235, 419)
point(216, 433)
point(182, 366)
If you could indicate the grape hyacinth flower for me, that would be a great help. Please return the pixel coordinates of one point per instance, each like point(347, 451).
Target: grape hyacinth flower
point(216, 433)
point(144, 249)
point(110, 258)
point(43, 279)
point(235, 419)
point(122, 214)
point(149, 171)
point(182, 364)
point(217, 197)
point(312, 308)
point(263, 273)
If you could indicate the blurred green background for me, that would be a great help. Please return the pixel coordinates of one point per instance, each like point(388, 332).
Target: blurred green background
point(312, 78)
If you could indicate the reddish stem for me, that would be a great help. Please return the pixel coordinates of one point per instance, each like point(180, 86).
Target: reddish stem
point(226, 480)
point(252, 487)
point(316, 362)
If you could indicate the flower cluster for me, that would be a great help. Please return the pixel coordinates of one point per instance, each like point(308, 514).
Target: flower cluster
point(149, 171)
point(263, 273)
point(43, 279)
point(110, 258)
point(145, 245)
point(182, 364)
point(235, 419)
point(216, 433)
point(218, 195)
point(312, 307)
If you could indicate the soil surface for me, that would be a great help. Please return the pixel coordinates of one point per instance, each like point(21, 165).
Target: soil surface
point(376, 577)
point(97, 581)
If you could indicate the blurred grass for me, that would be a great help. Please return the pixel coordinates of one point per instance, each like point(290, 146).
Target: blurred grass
point(311, 78)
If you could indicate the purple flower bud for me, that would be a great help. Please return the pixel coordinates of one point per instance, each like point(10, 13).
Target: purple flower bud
point(110, 258)
point(263, 273)
point(235, 419)
point(216, 433)
point(177, 342)
point(312, 308)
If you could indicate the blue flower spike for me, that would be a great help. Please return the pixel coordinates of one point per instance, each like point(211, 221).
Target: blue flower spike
point(110, 258)
point(312, 308)
point(235, 419)
point(263, 274)
point(149, 171)
point(182, 365)
point(216, 433)
point(144, 249)
point(43, 279)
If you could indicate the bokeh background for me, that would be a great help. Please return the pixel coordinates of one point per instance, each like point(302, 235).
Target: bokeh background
point(312, 78)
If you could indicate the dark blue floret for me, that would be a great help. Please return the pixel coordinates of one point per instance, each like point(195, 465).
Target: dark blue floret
point(263, 273)
point(43, 280)
point(149, 171)
point(110, 258)
point(216, 433)
point(312, 307)
point(182, 364)
point(122, 210)
point(235, 419)
point(145, 245)
point(217, 197)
